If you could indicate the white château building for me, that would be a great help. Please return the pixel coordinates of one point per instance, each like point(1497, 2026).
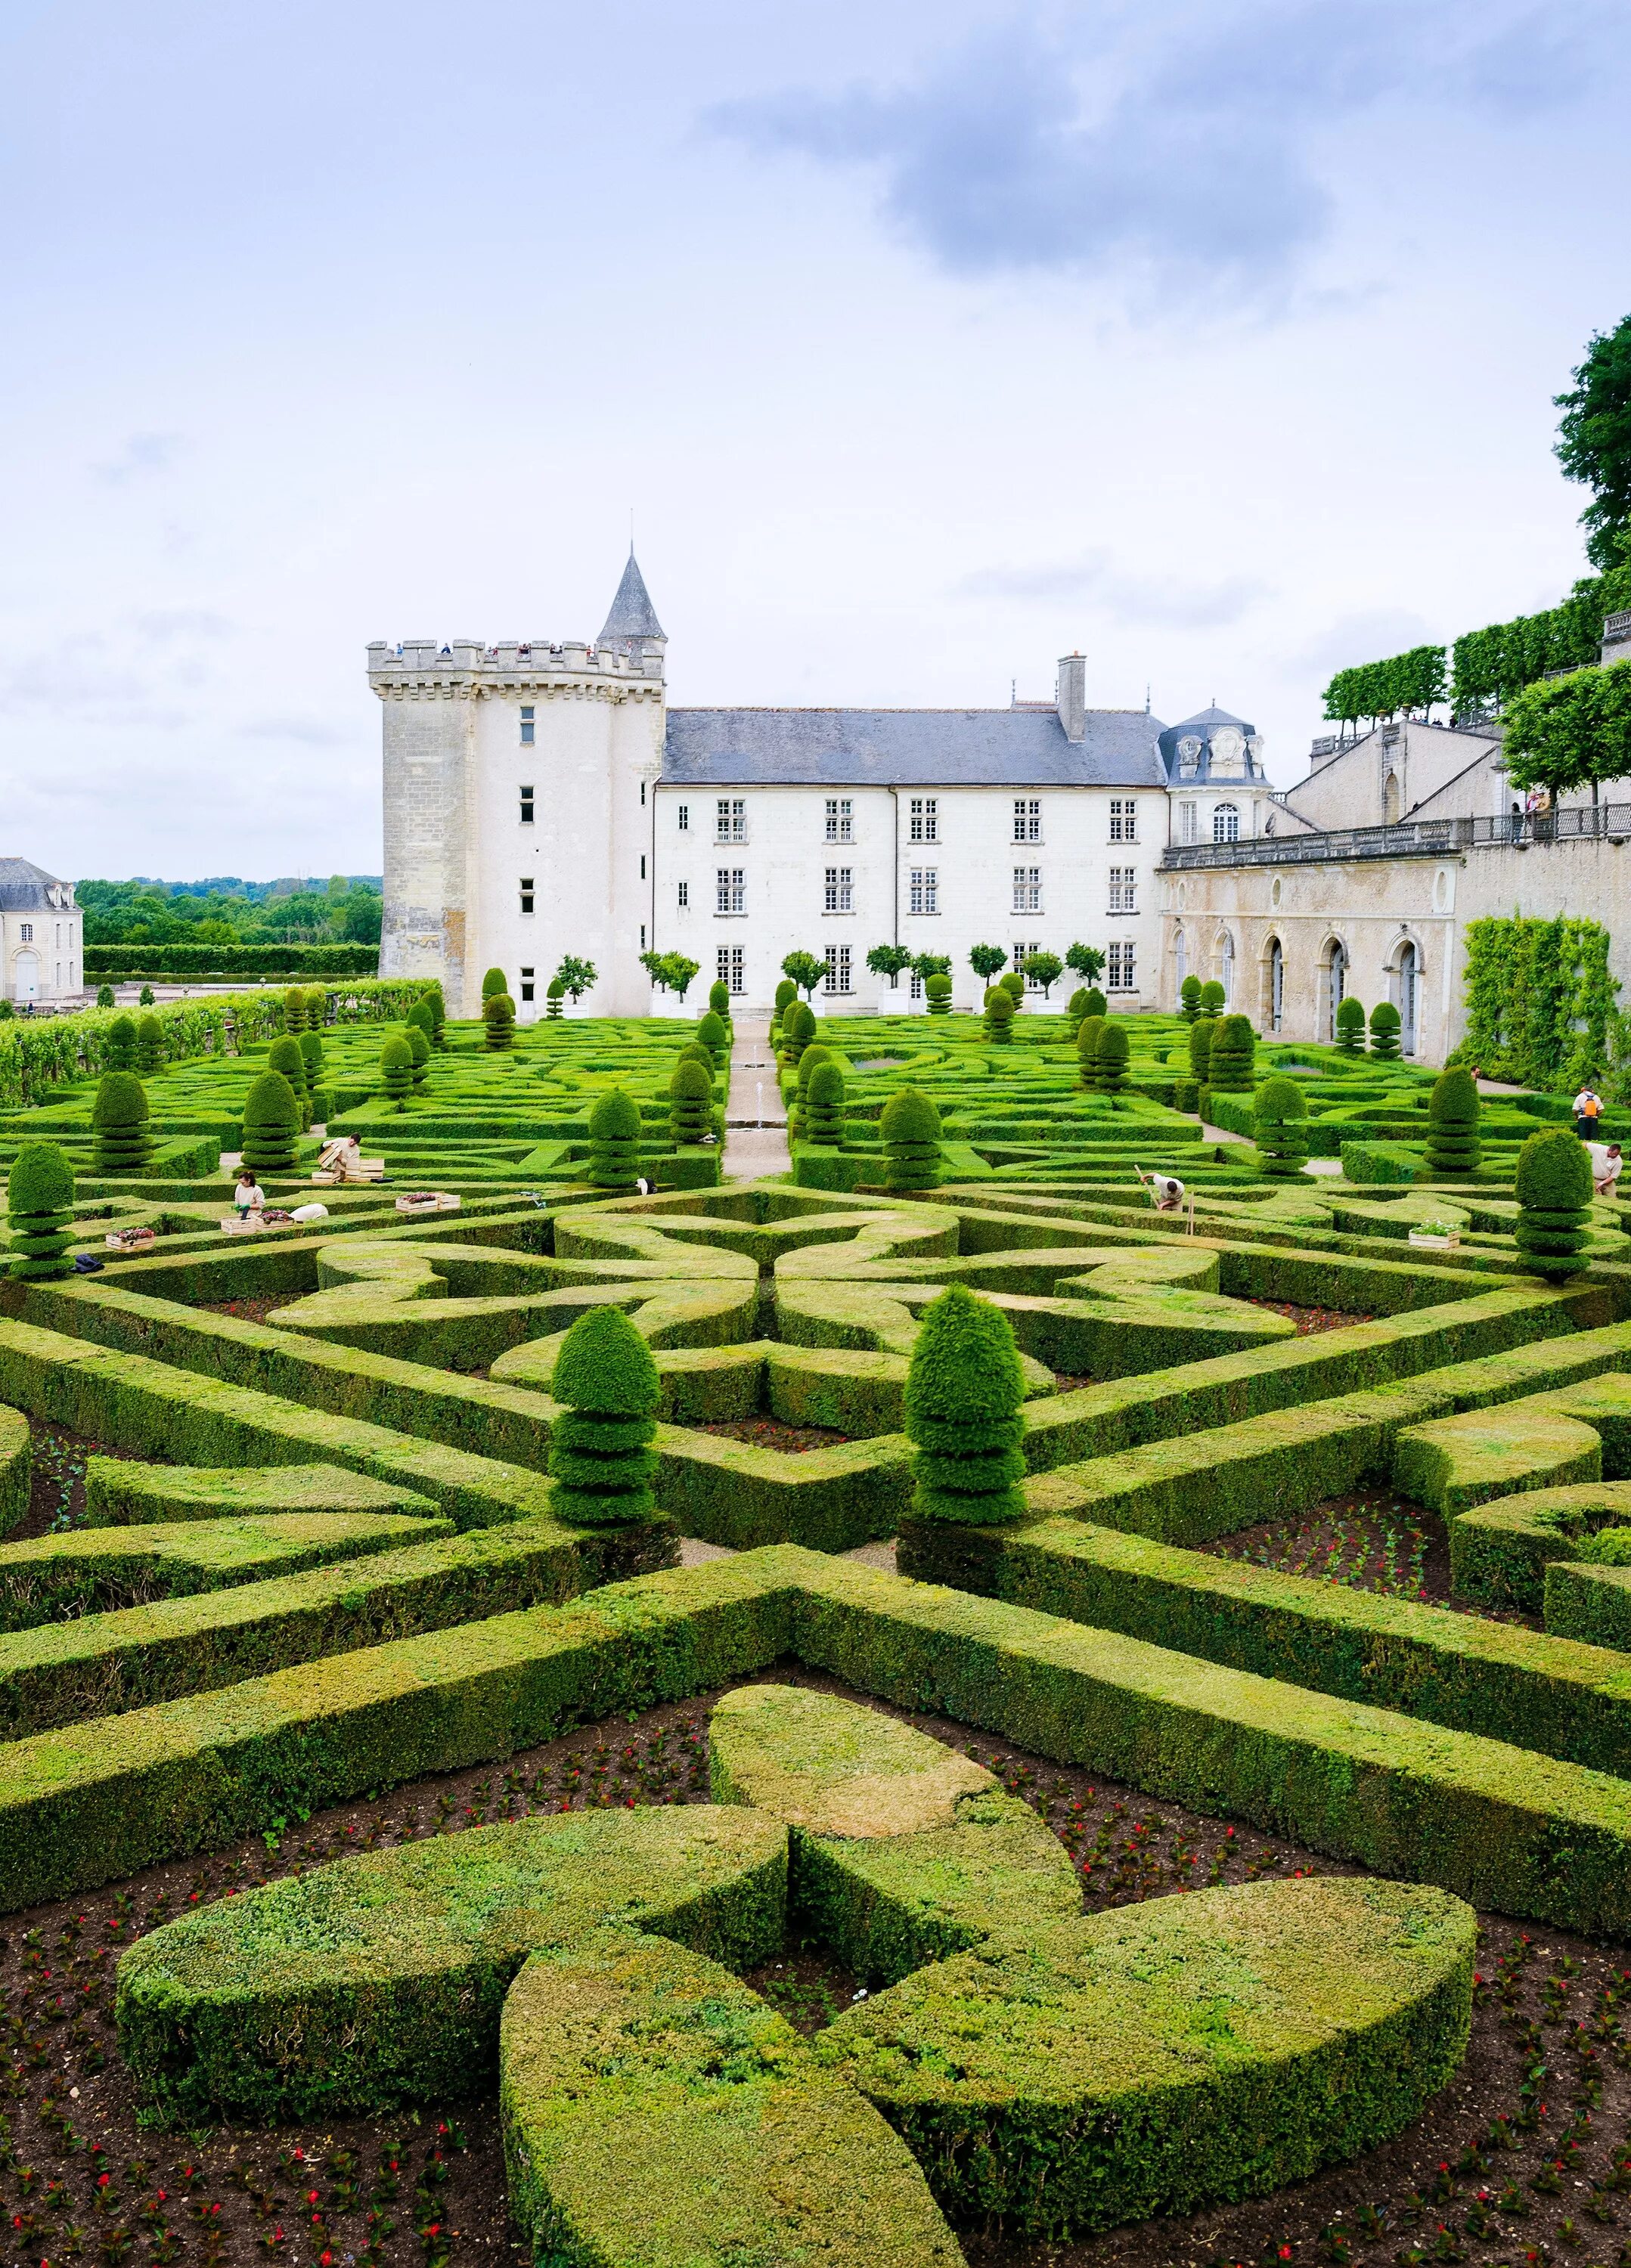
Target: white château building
point(41, 935)
point(543, 799)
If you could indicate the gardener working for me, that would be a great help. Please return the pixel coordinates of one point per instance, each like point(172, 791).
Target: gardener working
point(1605, 1167)
point(248, 1196)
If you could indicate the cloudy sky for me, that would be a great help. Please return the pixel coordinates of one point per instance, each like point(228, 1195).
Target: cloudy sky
point(923, 343)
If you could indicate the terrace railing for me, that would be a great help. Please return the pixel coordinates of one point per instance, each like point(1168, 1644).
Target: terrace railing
point(1410, 838)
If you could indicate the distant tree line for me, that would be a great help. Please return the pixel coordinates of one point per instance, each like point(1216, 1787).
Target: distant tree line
point(228, 912)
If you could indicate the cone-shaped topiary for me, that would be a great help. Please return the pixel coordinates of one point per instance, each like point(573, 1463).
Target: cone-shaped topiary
point(494, 983)
point(1096, 1004)
point(963, 1398)
point(600, 1462)
point(787, 993)
point(1201, 1033)
point(144, 997)
point(316, 1008)
point(397, 1070)
point(432, 998)
point(1351, 1025)
point(272, 1124)
point(119, 1123)
point(1386, 1025)
point(713, 1035)
point(104, 996)
point(1189, 998)
point(419, 1047)
point(284, 1055)
point(1110, 1057)
point(813, 1058)
point(1279, 1126)
point(294, 1009)
point(798, 1029)
point(555, 992)
point(690, 1101)
point(149, 1046)
point(937, 989)
point(1234, 1050)
point(312, 1057)
point(909, 1126)
point(1076, 1008)
point(119, 1047)
point(423, 1015)
point(719, 998)
point(498, 1018)
point(39, 1211)
point(823, 1106)
point(1553, 1190)
point(614, 1141)
point(1000, 1016)
point(1452, 1143)
point(694, 1051)
point(1012, 980)
point(1089, 1032)
point(1213, 997)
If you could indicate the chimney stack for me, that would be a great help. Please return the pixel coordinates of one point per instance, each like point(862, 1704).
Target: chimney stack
point(1072, 695)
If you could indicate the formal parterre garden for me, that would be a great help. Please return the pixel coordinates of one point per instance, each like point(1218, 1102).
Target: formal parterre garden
point(1050, 1684)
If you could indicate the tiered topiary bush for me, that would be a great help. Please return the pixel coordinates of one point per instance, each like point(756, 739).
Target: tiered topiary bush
point(910, 1125)
point(1452, 1144)
point(40, 1212)
point(1076, 1008)
point(715, 1037)
point(1212, 997)
point(423, 1015)
point(295, 1010)
point(498, 1019)
point(555, 992)
point(964, 1397)
point(149, 1046)
point(119, 1125)
point(720, 1000)
point(690, 1102)
point(1111, 1056)
point(316, 1007)
point(119, 1047)
point(614, 1142)
point(937, 990)
point(823, 1106)
point(438, 1007)
point(798, 1029)
point(312, 1055)
point(600, 1462)
point(272, 1124)
point(1000, 1016)
point(1013, 980)
point(1189, 998)
point(1553, 1190)
point(284, 1055)
point(1088, 1032)
point(809, 1061)
point(419, 1047)
point(1386, 1025)
point(1279, 1126)
point(1351, 1025)
point(1201, 1033)
point(787, 993)
point(1094, 1003)
point(1233, 1052)
point(397, 1070)
point(494, 983)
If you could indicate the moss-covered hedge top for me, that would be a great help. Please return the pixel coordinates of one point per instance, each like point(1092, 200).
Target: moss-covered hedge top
point(829, 1765)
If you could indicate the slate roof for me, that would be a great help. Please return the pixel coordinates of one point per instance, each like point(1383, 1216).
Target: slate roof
point(919, 747)
point(632, 613)
point(23, 888)
point(1201, 726)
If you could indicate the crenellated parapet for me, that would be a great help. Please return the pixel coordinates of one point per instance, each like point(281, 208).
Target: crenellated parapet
point(421, 669)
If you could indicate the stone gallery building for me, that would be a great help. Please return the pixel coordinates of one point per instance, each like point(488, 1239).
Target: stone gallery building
point(41, 935)
point(544, 798)
point(1362, 878)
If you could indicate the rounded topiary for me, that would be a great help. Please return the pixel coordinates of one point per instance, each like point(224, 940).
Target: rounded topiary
point(910, 1125)
point(1386, 1025)
point(272, 1124)
point(1554, 1189)
point(714, 1036)
point(1094, 1004)
point(1350, 1023)
point(798, 1029)
point(432, 998)
point(1076, 1008)
point(1279, 1126)
point(149, 1046)
point(397, 1070)
point(1234, 1050)
point(1089, 1032)
point(600, 1463)
point(787, 993)
point(119, 1047)
point(498, 1019)
point(1013, 980)
point(963, 1406)
point(104, 996)
point(690, 1101)
point(40, 1212)
point(555, 992)
point(1212, 997)
point(1000, 1016)
point(294, 1009)
point(823, 1106)
point(937, 989)
point(494, 983)
point(1201, 1033)
point(119, 1125)
point(419, 1047)
point(614, 1142)
point(284, 1055)
point(1110, 1057)
point(1453, 1108)
point(1189, 998)
point(719, 998)
point(423, 1015)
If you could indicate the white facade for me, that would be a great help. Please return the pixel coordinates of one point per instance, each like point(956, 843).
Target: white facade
point(41, 935)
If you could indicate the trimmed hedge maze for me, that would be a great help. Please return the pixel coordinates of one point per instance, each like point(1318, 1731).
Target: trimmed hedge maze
point(346, 1524)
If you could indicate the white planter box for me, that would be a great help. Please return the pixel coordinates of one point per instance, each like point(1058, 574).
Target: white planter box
point(1425, 1241)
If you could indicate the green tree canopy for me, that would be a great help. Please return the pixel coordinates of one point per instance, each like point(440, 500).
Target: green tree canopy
point(1571, 732)
point(806, 969)
point(1594, 439)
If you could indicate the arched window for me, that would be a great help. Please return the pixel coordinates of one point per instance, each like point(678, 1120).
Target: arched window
point(1276, 985)
point(1409, 987)
point(1333, 983)
point(1180, 962)
point(1226, 966)
point(1390, 799)
point(1226, 822)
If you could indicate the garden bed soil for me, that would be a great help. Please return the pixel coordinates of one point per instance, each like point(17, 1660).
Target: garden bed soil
point(1370, 1541)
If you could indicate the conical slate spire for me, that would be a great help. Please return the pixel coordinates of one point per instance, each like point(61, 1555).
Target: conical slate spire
point(633, 618)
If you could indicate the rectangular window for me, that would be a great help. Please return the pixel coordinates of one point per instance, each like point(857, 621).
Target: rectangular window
point(925, 896)
point(1120, 969)
point(642, 866)
point(732, 890)
point(642, 795)
point(26, 933)
point(1022, 954)
point(685, 819)
point(1027, 819)
point(840, 825)
point(1189, 825)
point(1123, 883)
point(838, 968)
point(916, 986)
point(528, 731)
point(526, 894)
point(1124, 819)
point(525, 806)
point(838, 895)
point(730, 968)
point(923, 819)
point(733, 816)
point(685, 894)
point(642, 937)
point(1028, 889)
point(527, 983)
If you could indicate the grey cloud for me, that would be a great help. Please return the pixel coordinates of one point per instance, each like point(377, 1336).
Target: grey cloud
point(142, 453)
point(1165, 602)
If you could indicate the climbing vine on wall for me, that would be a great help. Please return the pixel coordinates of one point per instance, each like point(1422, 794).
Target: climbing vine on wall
point(1539, 1001)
